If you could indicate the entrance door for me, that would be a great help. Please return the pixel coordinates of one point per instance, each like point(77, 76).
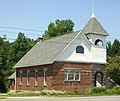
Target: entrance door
point(98, 79)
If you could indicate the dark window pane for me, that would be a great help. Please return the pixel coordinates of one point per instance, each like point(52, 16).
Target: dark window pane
point(46, 73)
point(79, 49)
point(77, 76)
point(70, 76)
point(65, 76)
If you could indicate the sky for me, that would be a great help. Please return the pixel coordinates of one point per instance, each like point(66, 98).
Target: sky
point(37, 14)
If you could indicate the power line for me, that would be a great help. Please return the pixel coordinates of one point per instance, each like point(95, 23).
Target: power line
point(20, 28)
point(25, 13)
point(18, 32)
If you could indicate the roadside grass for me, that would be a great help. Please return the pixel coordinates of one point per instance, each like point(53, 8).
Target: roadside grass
point(36, 93)
point(96, 91)
point(2, 97)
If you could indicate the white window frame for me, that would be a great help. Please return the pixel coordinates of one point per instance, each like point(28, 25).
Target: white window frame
point(67, 74)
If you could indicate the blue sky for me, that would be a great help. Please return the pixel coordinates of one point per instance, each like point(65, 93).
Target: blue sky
point(37, 14)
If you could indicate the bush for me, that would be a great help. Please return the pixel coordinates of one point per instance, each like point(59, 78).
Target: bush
point(97, 90)
point(36, 93)
point(79, 92)
point(72, 92)
point(116, 90)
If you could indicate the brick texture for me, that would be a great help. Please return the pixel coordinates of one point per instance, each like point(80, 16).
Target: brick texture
point(55, 76)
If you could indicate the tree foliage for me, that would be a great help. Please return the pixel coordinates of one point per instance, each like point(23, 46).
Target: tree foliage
point(11, 53)
point(113, 49)
point(113, 69)
point(113, 59)
point(20, 47)
point(60, 27)
point(5, 64)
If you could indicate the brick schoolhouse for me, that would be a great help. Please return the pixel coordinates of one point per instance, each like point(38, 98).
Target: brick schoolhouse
point(76, 60)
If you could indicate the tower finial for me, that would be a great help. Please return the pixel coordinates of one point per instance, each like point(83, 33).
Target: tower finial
point(93, 9)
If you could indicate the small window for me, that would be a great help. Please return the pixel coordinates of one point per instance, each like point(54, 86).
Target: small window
point(28, 72)
point(45, 77)
point(98, 42)
point(20, 78)
point(72, 75)
point(36, 77)
point(79, 49)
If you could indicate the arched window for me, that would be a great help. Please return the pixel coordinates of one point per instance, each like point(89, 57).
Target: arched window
point(98, 42)
point(79, 49)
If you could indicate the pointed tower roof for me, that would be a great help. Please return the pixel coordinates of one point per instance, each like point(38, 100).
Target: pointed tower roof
point(94, 27)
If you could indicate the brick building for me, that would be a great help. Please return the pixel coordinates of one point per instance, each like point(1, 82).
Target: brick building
point(76, 60)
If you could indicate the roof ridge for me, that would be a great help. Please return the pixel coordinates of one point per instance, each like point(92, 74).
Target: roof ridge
point(60, 36)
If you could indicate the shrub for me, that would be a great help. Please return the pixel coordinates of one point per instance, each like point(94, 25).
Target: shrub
point(79, 92)
point(116, 90)
point(73, 91)
point(36, 93)
point(97, 90)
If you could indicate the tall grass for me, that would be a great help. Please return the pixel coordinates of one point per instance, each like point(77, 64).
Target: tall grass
point(84, 92)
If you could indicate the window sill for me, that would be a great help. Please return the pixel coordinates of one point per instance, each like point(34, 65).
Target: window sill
point(35, 85)
point(27, 85)
point(20, 84)
point(71, 80)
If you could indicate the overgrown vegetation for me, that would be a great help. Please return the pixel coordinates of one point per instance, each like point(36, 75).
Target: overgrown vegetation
point(37, 93)
point(85, 92)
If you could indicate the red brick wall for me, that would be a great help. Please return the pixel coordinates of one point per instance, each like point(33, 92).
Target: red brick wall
point(86, 76)
point(55, 78)
point(32, 86)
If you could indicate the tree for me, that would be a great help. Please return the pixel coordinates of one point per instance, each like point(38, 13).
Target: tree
point(113, 49)
point(60, 27)
point(20, 47)
point(113, 59)
point(113, 69)
point(10, 54)
point(5, 68)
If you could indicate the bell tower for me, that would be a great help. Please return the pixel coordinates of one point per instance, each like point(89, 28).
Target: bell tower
point(96, 34)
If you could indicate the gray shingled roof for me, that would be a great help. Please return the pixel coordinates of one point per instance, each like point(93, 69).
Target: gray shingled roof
point(93, 26)
point(12, 76)
point(45, 52)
